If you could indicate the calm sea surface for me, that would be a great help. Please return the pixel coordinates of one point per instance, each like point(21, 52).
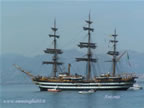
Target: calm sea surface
point(29, 96)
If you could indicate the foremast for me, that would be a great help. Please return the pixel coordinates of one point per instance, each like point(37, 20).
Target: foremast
point(89, 46)
point(114, 53)
point(54, 51)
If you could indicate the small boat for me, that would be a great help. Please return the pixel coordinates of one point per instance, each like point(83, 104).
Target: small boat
point(85, 92)
point(54, 89)
point(136, 87)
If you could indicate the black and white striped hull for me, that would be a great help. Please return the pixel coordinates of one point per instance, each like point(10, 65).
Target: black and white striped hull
point(85, 86)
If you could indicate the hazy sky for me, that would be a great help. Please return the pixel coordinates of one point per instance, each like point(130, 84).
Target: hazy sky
point(26, 25)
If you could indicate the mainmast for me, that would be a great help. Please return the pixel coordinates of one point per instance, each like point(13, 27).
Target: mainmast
point(89, 46)
point(54, 51)
point(114, 53)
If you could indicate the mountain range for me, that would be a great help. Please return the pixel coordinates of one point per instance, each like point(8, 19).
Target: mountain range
point(133, 62)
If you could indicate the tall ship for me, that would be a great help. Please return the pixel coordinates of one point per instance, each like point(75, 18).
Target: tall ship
point(67, 81)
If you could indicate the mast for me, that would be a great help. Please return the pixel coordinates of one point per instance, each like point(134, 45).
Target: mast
point(89, 46)
point(114, 53)
point(54, 51)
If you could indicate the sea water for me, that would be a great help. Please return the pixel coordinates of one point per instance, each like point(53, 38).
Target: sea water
point(29, 96)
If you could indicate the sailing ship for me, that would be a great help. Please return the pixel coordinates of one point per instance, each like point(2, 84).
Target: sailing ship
point(67, 81)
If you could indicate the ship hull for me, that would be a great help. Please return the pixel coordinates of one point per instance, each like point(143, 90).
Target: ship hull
point(44, 86)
